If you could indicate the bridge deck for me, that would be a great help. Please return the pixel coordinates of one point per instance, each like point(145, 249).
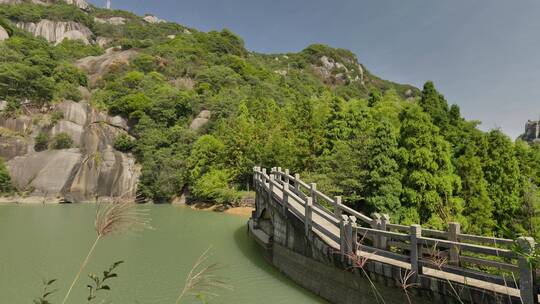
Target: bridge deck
point(297, 207)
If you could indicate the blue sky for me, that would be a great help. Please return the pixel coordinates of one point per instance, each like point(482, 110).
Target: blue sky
point(483, 55)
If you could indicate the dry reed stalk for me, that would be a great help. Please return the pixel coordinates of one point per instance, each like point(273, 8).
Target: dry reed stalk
point(203, 280)
point(359, 261)
point(113, 218)
point(404, 283)
point(439, 260)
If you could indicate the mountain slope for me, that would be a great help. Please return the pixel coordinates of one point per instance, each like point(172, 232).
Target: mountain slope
point(179, 112)
point(170, 71)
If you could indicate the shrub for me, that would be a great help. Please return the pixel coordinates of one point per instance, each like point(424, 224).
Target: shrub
point(214, 186)
point(56, 116)
point(124, 143)
point(42, 141)
point(5, 180)
point(61, 141)
point(67, 91)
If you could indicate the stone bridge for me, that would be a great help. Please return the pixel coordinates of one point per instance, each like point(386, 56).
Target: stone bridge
point(345, 256)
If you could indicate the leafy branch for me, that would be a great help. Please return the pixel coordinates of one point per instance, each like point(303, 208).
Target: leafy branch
point(46, 293)
point(99, 282)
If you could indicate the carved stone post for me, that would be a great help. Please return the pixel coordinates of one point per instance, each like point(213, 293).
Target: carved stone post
point(385, 219)
point(343, 223)
point(376, 224)
point(296, 183)
point(307, 216)
point(286, 179)
point(270, 188)
point(285, 201)
point(337, 207)
point(526, 272)
point(454, 229)
point(354, 235)
point(416, 252)
point(313, 191)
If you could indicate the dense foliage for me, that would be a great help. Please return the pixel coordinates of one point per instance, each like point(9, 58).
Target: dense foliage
point(384, 147)
point(5, 181)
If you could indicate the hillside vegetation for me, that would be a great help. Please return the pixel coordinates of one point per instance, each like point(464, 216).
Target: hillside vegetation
point(384, 147)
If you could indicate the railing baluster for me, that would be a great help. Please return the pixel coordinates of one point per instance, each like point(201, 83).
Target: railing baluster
point(454, 229)
point(313, 191)
point(416, 252)
point(270, 187)
point(376, 224)
point(307, 215)
point(526, 273)
point(385, 219)
point(337, 207)
point(353, 235)
point(343, 223)
point(286, 179)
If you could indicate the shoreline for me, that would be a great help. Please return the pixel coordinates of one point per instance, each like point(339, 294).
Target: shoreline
point(243, 211)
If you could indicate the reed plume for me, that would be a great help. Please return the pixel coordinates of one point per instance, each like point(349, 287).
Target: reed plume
point(202, 280)
point(114, 218)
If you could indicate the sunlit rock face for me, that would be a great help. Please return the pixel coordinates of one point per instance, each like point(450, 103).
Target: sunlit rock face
point(57, 31)
point(112, 20)
point(91, 169)
point(3, 34)
point(532, 131)
point(97, 66)
point(82, 4)
point(153, 19)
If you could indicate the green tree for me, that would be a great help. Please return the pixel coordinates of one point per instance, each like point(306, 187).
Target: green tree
point(435, 105)
point(382, 178)
point(207, 153)
point(429, 181)
point(503, 177)
point(478, 207)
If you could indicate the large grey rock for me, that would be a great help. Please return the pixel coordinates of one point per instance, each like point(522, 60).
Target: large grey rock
point(82, 4)
point(103, 41)
point(200, 120)
point(111, 20)
point(94, 169)
point(21, 124)
point(11, 147)
point(532, 131)
point(152, 19)
point(333, 72)
point(57, 31)
point(3, 34)
point(46, 172)
point(74, 130)
point(97, 66)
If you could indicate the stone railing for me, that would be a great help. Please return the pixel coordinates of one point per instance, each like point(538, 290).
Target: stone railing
point(471, 257)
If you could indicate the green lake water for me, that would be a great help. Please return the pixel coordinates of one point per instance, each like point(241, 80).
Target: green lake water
point(39, 242)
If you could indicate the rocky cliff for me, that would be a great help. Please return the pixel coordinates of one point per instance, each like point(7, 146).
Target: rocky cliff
point(57, 31)
point(91, 169)
point(82, 4)
point(532, 131)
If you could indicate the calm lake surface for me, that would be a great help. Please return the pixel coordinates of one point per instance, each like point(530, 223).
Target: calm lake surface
point(39, 242)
